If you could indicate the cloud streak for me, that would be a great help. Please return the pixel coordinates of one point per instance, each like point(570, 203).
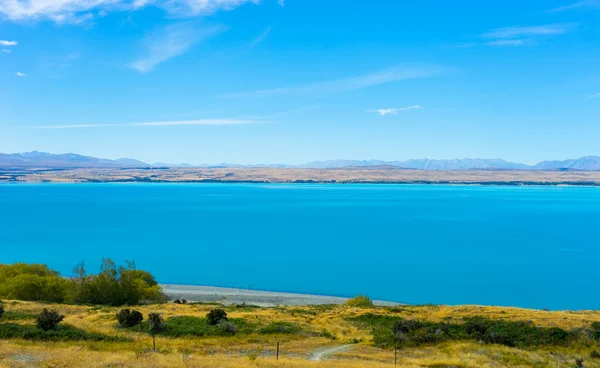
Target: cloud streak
point(394, 111)
point(518, 42)
point(170, 42)
point(6, 51)
point(597, 95)
point(153, 124)
point(349, 84)
point(20, 74)
point(80, 11)
point(8, 43)
point(515, 32)
point(261, 37)
point(594, 4)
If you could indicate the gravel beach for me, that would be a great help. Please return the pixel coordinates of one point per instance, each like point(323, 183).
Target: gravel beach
point(229, 296)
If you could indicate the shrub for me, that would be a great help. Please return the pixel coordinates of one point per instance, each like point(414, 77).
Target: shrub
point(215, 316)
point(129, 318)
point(595, 354)
point(1, 310)
point(360, 301)
point(48, 320)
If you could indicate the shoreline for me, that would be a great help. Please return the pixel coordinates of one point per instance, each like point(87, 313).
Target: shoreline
point(229, 296)
point(306, 176)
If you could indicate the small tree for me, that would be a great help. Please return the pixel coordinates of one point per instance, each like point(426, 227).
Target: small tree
point(48, 319)
point(215, 316)
point(1, 310)
point(129, 318)
point(155, 326)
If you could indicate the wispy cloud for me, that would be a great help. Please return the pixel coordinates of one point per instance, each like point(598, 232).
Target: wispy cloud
point(8, 43)
point(281, 2)
point(523, 36)
point(170, 42)
point(517, 42)
point(350, 84)
point(261, 37)
point(597, 95)
point(589, 4)
point(153, 124)
point(80, 11)
point(515, 32)
point(20, 74)
point(394, 111)
point(6, 51)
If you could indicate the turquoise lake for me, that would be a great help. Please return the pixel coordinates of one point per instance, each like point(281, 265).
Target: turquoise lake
point(533, 247)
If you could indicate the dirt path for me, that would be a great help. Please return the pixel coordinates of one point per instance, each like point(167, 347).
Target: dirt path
point(322, 354)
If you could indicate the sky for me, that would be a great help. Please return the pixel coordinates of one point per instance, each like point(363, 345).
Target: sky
point(294, 81)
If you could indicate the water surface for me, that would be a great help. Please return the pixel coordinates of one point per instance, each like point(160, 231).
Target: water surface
point(523, 246)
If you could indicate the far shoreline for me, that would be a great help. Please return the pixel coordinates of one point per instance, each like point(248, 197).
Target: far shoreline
point(342, 176)
point(260, 298)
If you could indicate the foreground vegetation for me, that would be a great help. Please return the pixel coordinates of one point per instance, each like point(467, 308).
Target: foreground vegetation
point(247, 336)
point(119, 318)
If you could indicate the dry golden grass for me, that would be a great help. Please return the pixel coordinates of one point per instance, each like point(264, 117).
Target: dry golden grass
point(237, 351)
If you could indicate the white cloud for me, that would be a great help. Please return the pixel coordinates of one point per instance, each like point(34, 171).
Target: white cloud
point(170, 42)
point(154, 124)
point(394, 111)
point(517, 42)
point(6, 51)
point(350, 84)
point(281, 2)
point(19, 74)
point(515, 32)
point(8, 43)
point(79, 11)
point(261, 37)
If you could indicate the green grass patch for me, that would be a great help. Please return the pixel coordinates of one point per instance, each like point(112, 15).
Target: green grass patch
point(280, 328)
point(63, 333)
point(198, 326)
point(391, 331)
point(17, 316)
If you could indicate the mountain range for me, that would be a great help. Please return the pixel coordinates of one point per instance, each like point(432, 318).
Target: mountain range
point(42, 160)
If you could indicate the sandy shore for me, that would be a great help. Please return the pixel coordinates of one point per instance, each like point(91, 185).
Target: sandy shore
point(229, 296)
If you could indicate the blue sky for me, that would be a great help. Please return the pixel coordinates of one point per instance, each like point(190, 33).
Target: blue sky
point(292, 81)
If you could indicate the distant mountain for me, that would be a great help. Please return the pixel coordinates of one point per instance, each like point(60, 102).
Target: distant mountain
point(587, 163)
point(424, 164)
point(67, 160)
point(70, 160)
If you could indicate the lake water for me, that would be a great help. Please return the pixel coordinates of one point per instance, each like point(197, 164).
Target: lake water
point(522, 246)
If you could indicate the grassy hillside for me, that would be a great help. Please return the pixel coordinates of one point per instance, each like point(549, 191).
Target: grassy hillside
point(91, 337)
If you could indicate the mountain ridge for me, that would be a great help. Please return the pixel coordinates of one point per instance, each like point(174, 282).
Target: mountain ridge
point(43, 160)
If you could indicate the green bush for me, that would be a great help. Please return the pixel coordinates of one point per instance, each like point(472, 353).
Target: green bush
point(215, 316)
point(129, 318)
point(360, 301)
point(1, 310)
point(48, 320)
